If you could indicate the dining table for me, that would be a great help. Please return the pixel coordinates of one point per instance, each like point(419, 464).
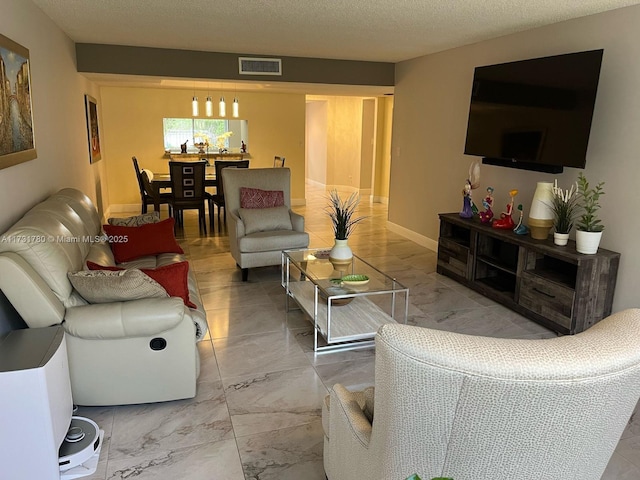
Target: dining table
point(163, 180)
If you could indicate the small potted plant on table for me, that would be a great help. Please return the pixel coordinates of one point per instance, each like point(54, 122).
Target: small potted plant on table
point(589, 228)
point(341, 213)
point(564, 205)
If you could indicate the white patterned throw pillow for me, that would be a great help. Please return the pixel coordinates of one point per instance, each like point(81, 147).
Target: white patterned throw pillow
point(105, 286)
point(135, 221)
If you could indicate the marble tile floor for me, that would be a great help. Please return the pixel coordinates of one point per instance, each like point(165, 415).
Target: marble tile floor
point(256, 415)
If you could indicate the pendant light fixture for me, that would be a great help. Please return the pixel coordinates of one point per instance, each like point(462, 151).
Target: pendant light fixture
point(208, 106)
point(222, 106)
point(236, 106)
point(236, 111)
point(194, 106)
point(194, 102)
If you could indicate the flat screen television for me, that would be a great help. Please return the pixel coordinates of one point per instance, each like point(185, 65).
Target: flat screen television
point(534, 114)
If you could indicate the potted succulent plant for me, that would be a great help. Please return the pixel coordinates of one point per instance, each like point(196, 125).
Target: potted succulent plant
point(343, 219)
point(564, 205)
point(589, 228)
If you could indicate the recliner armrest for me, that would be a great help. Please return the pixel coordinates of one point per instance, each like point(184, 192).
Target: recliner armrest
point(135, 318)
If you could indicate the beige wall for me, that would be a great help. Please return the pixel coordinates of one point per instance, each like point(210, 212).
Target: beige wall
point(367, 145)
point(383, 149)
point(316, 144)
point(336, 130)
point(57, 92)
point(344, 132)
point(430, 116)
point(132, 119)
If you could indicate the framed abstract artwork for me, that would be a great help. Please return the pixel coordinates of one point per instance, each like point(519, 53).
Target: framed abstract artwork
point(17, 143)
point(91, 107)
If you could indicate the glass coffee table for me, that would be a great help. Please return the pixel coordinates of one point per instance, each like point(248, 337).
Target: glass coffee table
point(346, 315)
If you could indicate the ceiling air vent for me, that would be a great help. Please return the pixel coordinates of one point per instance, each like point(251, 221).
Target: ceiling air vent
point(260, 66)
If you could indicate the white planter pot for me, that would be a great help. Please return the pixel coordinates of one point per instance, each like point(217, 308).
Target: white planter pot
point(587, 242)
point(560, 239)
point(341, 254)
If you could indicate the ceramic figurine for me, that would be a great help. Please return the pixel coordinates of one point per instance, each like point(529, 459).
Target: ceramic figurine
point(505, 221)
point(520, 228)
point(243, 147)
point(487, 203)
point(468, 207)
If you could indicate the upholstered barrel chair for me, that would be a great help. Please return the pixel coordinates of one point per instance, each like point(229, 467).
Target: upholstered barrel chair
point(258, 234)
point(478, 408)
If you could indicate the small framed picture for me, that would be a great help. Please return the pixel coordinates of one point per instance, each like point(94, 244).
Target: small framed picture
point(91, 107)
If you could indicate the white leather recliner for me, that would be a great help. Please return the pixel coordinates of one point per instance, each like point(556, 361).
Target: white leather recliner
point(478, 408)
point(137, 351)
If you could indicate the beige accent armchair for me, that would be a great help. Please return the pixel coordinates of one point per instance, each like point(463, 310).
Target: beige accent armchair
point(478, 408)
point(261, 248)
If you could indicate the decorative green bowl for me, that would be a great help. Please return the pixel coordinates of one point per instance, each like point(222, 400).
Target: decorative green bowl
point(355, 280)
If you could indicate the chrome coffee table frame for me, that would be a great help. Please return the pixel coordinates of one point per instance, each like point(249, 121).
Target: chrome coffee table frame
point(344, 317)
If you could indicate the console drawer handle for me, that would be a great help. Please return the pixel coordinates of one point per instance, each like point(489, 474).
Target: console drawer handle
point(543, 293)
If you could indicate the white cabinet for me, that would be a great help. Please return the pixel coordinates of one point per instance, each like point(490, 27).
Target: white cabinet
point(35, 402)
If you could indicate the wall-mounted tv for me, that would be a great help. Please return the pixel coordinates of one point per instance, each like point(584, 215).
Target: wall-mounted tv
point(534, 114)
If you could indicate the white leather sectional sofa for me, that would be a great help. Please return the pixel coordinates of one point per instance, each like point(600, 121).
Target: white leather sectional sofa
point(136, 351)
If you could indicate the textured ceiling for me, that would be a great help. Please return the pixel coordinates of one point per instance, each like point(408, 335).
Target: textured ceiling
point(375, 30)
point(372, 30)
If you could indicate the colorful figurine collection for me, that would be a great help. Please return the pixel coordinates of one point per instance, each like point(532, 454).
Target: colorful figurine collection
point(469, 209)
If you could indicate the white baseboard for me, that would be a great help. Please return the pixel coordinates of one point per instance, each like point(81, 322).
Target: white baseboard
point(383, 200)
point(315, 183)
point(413, 236)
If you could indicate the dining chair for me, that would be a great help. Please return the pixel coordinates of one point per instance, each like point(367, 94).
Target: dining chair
point(187, 189)
point(144, 197)
point(278, 162)
point(157, 198)
point(218, 197)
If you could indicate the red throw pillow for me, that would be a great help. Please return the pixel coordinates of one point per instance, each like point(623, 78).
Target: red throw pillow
point(256, 198)
point(129, 243)
point(172, 277)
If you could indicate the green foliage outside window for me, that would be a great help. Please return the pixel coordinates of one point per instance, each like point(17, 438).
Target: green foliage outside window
point(192, 130)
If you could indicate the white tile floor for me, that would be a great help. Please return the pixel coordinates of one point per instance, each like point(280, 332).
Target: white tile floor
point(257, 412)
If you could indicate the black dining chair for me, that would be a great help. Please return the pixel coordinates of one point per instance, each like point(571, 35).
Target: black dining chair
point(152, 192)
point(188, 192)
point(144, 197)
point(149, 195)
point(218, 197)
point(278, 162)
